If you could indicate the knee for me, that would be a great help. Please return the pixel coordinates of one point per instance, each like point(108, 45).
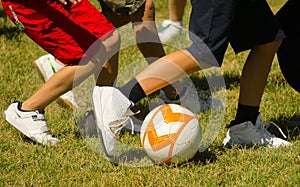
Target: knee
point(271, 46)
point(112, 42)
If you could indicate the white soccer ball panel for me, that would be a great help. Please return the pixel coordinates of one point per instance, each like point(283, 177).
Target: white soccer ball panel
point(171, 133)
point(180, 109)
point(190, 133)
point(147, 120)
point(188, 142)
point(159, 155)
point(168, 128)
point(185, 154)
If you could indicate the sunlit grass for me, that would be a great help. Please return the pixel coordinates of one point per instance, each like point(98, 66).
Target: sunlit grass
point(75, 163)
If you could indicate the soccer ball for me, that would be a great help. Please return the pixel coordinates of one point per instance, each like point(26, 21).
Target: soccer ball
point(170, 133)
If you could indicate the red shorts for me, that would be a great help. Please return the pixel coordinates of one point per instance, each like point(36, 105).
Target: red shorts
point(66, 32)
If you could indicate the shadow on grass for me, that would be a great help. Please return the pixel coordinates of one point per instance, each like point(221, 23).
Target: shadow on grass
point(2, 14)
point(199, 83)
point(131, 158)
point(8, 32)
point(204, 158)
point(231, 81)
point(289, 126)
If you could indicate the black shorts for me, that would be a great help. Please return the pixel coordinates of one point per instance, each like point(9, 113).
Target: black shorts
point(243, 23)
point(288, 57)
point(121, 7)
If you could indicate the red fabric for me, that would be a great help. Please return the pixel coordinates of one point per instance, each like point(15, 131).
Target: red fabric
point(66, 32)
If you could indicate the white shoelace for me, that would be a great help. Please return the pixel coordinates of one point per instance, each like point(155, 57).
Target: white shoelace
point(265, 125)
point(117, 125)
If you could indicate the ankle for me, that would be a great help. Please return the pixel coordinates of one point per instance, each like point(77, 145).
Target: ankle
point(175, 22)
point(26, 106)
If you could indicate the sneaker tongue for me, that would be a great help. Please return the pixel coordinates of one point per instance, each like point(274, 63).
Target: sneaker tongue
point(258, 119)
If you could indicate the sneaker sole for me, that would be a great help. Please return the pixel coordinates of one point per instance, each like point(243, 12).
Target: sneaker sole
point(26, 133)
point(60, 101)
point(102, 144)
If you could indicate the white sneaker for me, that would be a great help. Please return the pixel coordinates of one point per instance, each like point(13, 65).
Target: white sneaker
point(31, 123)
point(47, 66)
point(88, 127)
point(112, 111)
point(193, 100)
point(246, 134)
point(169, 30)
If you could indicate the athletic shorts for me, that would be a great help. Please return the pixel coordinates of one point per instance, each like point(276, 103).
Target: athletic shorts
point(66, 32)
point(287, 55)
point(122, 7)
point(243, 23)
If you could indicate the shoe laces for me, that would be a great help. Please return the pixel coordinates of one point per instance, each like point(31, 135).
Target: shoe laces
point(263, 126)
point(117, 125)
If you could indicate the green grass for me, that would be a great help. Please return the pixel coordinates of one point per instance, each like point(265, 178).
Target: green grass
point(74, 163)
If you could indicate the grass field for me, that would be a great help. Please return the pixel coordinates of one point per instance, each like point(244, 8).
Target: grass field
point(74, 163)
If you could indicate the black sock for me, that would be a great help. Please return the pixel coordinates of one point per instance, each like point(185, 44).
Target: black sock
point(245, 113)
point(133, 91)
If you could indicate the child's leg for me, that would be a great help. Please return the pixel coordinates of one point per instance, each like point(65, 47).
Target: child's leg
point(253, 81)
point(70, 76)
point(147, 39)
point(145, 32)
point(255, 73)
point(176, 9)
point(58, 84)
point(254, 27)
point(166, 70)
point(109, 72)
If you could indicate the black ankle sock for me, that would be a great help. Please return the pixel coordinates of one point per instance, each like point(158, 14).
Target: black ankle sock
point(133, 91)
point(245, 113)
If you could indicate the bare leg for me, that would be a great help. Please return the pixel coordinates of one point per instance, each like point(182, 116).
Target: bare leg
point(70, 76)
point(147, 38)
point(167, 70)
point(146, 33)
point(109, 73)
point(176, 9)
point(55, 87)
point(255, 73)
